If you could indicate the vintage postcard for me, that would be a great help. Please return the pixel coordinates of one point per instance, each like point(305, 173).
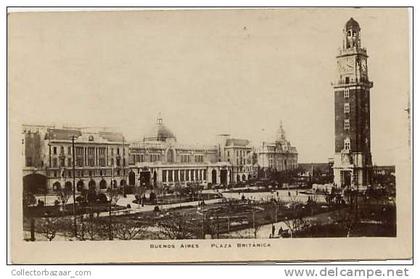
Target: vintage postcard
point(209, 135)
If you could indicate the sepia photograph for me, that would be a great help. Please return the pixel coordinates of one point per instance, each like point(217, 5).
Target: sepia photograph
point(198, 135)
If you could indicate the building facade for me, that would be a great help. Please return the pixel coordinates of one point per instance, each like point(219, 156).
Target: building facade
point(279, 155)
point(239, 154)
point(352, 160)
point(100, 158)
point(159, 160)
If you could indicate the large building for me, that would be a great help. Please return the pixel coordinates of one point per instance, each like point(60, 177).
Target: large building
point(159, 160)
point(101, 158)
point(352, 160)
point(279, 155)
point(239, 154)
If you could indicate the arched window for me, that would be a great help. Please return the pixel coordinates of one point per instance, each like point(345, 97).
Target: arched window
point(92, 184)
point(80, 185)
point(347, 144)
point(68, 186)
point(102, 184)
point(57, 186)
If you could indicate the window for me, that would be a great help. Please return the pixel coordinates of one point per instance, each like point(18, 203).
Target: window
point(170, 175)
point(347, 80)
point(181, 175)
point(79, 150)
point(346, 93)
point(163, 175)
point(69, 162)
point(61, 150)
point(346, 124)
point(346, 108)
point(347, 144)
point(29, 161)
point(55, 150)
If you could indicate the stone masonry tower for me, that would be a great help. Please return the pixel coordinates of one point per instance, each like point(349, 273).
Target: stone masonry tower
point(352, 159)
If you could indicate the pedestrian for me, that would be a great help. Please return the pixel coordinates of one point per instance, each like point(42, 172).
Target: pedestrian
point(273, 230)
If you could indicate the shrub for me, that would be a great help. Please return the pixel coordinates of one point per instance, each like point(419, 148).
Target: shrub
point(102, 198)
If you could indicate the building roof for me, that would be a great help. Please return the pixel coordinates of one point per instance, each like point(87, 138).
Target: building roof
point(352, 24)
point(62, 134)
point(160, 132)
point(237, 142)
point(324, 167)
point(112, 136)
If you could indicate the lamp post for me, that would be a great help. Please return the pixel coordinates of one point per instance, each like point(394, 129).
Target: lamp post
point(74, 187)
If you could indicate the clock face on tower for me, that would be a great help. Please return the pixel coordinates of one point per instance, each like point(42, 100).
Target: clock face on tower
point(346, 65)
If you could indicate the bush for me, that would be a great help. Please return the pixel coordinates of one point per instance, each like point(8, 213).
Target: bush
point(91, 197)
point(102, 198)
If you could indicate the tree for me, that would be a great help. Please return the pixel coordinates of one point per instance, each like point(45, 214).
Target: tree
point(114, 194)
point(48, 227)
point(128, 230)
point(28, 199)
point(89, 228)
point(296, 224)
point(177, 226)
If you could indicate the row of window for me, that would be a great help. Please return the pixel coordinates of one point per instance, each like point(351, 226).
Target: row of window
point(238, 152)
point(87, 173)
point(183, 175)
point(80, 150)
point(90, 162)
point(157, 157)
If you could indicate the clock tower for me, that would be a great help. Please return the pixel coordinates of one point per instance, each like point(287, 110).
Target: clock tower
point(352, 159)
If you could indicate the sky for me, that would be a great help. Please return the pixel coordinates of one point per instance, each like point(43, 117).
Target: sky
point(208, 72)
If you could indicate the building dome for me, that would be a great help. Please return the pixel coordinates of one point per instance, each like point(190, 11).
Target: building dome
point(352, 25)
point(160, 133)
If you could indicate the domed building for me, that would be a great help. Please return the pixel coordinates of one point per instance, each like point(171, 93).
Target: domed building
point(159, 160)
point(279, 155)
point(160, 133)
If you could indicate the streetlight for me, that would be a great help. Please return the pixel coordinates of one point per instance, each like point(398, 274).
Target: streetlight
point(74, 188)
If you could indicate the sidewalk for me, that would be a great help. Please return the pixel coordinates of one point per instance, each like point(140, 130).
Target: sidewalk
point(136, 208)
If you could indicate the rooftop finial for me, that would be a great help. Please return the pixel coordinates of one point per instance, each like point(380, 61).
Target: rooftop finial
point(159, 118)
